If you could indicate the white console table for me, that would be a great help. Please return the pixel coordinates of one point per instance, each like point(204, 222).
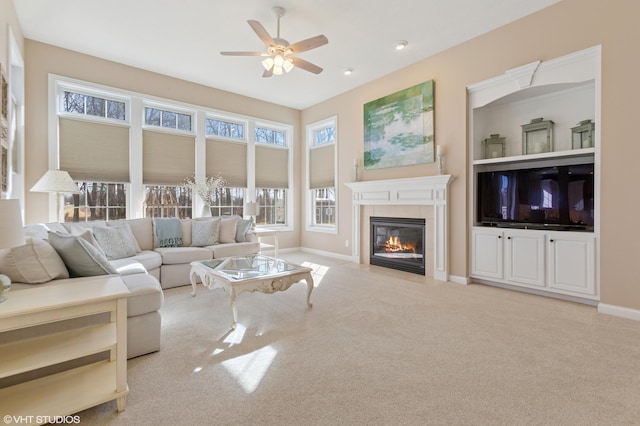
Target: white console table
point(265, 232)
point(74, 389)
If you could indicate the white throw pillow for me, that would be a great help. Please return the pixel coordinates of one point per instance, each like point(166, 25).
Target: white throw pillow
point(117, 242)
point(205, 232)
point(35, 262)
point(228, 229)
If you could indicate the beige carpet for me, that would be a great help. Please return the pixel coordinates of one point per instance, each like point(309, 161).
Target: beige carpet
point(381, 347)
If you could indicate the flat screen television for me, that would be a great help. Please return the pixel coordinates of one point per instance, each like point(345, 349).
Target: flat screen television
point(556, 197)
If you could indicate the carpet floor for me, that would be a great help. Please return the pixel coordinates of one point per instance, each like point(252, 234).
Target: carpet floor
point(382, 347)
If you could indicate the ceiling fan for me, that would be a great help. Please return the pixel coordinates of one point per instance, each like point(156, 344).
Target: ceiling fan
point(280, 54)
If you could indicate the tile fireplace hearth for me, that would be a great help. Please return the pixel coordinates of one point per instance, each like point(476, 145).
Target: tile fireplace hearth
point(420, 191)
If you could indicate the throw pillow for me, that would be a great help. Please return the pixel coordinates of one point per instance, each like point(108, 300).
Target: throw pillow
point(35, 262)
point(81, 258)
point(128, 224)
point(205, 232)
point(117, 242)
point(228, 229)
point(242, 228)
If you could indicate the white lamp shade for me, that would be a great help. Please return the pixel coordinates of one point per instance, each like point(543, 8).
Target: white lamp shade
point(11, 230)
point(56, 181)
point(251, 208)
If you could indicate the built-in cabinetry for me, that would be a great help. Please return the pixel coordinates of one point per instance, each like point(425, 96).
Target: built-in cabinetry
point(536, 256)
point(66, 390)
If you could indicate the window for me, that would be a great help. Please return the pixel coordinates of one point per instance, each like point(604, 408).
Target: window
point(227, 201)
point(325, 206)
point(272, 206)
point(228, 129)
point(167, 201)
point(96, 201)
point(167, 119)
point(270, 136)
point(79, 103)
point(321, 146)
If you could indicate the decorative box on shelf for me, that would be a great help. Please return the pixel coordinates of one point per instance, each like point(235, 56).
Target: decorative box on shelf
point(537, 136)
point(582, 134)
point(494, 146)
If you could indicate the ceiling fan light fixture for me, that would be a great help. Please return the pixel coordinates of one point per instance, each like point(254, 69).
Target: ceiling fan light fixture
point(400, 44)
point(278, 61)
point(268, 63)
point(288, 65)
point(277, 70)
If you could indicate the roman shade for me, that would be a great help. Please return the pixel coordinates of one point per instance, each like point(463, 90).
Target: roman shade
point(167, 159)
point(92, 151)
point(322, 167)
point(228, 158)
point(272, 167)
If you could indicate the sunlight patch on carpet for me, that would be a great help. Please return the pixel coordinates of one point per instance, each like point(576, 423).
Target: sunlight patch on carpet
point(236, 336)
point(250, 369)
point(319, 271)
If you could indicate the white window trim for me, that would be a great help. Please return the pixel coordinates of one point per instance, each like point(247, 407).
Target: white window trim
point(309, 201)
point(169, 108)
point(135, 104)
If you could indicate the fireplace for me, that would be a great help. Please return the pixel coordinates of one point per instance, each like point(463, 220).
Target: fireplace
point(398, 243)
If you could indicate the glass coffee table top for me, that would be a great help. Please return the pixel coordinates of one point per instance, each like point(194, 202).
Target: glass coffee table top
point(248, 267)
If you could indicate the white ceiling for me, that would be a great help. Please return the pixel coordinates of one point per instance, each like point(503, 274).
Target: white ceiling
point(184, 38)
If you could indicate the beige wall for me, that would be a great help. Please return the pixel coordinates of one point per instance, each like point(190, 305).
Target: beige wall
point(566, 27)
point(43, 59)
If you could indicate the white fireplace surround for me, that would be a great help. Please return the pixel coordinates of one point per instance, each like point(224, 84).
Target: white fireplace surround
point(420, 191)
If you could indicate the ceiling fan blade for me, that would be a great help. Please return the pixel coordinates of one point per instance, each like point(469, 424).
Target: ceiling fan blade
point(244, 53)
point(262, 33)
point(308, 44)
point(305, 65)
point(268, 73)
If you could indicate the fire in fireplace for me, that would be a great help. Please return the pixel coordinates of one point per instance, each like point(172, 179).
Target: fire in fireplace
point(398, 243)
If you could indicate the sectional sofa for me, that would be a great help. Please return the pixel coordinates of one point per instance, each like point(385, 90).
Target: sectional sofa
point(148, 254)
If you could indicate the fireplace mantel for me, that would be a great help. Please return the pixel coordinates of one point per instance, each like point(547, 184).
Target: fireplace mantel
point(419, 191)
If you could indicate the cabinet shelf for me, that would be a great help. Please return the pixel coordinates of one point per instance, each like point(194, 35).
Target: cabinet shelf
point(63, 393)
point(584, 152)
point(26, 355)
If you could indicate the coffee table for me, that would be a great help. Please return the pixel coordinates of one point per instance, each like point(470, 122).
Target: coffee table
point(236, 275)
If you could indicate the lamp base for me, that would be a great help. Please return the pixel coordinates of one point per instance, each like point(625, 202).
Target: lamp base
point(5, 285)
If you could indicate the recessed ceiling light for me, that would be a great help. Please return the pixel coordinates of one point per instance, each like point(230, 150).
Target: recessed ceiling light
point(400, 44)
point(347, 71)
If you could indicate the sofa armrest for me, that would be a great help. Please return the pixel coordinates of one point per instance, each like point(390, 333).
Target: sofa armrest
point(251, 237)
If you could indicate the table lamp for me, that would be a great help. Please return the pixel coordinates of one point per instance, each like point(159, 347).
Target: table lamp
point(58, 182)
point(251, 210)
point(11, 234)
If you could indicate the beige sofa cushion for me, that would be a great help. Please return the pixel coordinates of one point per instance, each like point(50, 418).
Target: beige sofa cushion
point(148, 258)
point(237, 249)
point(35, 262)
point(146, 294)
point(178, 255)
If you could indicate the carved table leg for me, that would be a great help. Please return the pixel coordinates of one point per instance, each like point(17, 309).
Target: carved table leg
point(234, 307)
point(193, 279)
point(309, 281)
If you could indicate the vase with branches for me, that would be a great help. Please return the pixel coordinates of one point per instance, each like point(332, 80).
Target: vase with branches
point(205, 187)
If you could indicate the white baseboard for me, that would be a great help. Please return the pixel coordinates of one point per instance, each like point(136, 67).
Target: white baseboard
point(344, 257)
point(459, 280)
point(619, 311)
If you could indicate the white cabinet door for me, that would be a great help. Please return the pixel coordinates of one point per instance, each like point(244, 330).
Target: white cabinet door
point(572, 262)
point(486, 259)
point(525, 258)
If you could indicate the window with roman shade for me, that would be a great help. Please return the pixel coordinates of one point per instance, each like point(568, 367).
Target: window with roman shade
point(92, 151)
point(272, 167)
point(167, 158)
point(322, 167)
point(229, 159)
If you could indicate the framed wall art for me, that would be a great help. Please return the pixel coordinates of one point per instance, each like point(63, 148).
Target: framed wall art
point(398, 128)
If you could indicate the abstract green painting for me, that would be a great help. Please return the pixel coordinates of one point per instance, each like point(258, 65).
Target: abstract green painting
point(398, 128)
